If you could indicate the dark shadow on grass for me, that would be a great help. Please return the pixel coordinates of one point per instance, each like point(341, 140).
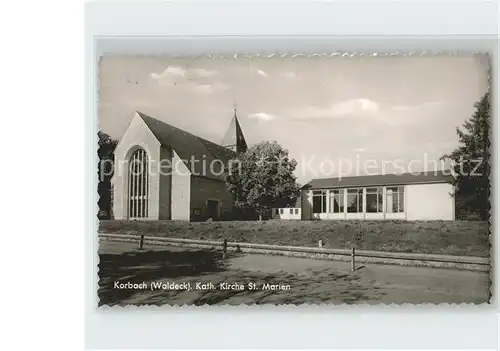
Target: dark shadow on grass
point(147, 266)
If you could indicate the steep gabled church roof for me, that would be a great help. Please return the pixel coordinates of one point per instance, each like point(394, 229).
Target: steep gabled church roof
point(189, 146)
point(234, 138)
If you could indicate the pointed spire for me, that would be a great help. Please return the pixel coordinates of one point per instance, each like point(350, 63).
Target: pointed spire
point(234, 139)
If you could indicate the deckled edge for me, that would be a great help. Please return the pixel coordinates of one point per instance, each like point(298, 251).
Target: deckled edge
point(105, 307)
point(487, 57)
point(417, 53)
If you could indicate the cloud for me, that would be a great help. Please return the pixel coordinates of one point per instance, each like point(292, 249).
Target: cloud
point(356, 106)
point(203, 88)
point(178, 73)
point(170, 71)
point(427, 104)
point(203, 73)
point(262, 73)
point(210, 88)
point(262, 116)
point(353, 107)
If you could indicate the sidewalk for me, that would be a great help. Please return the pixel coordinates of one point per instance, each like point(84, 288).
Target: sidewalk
point(310, 281)
point(397, 283)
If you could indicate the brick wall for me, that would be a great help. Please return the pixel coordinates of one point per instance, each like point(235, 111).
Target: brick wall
point(204, 189)
point(137, 136)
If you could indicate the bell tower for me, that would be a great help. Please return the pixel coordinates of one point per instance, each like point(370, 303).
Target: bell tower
point(234, 139)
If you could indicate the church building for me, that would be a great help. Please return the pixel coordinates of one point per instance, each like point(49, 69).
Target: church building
point(165, 173)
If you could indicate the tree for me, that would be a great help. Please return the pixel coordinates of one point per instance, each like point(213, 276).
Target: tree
point(105, 172)
point(262, 178)
point(470, 162)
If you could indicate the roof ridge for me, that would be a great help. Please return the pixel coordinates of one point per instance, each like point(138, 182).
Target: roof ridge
point(188, 145)
point(170, 125)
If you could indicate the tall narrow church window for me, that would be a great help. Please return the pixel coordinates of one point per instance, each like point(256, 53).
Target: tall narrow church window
point(374, 197)
point(355, 200)
point(319, 201)
point(337, 201)
point(138, 185)
point(395, 199)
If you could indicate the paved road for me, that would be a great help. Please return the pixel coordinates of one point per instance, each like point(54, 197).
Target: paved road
point(271, 279)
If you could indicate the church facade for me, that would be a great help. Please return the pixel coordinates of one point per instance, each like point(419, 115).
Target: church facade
point(165, 173)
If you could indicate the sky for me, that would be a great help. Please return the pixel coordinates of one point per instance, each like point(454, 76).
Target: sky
point(336, 116)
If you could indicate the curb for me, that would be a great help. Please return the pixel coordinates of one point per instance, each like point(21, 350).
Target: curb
point(362, 256)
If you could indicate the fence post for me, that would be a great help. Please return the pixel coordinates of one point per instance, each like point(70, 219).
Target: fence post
point(141, 244)
point(224, 249)
point(353, 259)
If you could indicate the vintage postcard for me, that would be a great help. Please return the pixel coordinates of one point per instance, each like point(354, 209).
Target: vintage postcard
point(332, 179)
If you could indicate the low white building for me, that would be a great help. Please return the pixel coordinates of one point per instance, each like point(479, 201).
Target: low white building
point(165, 173)
point(408, 196)
point(288, 212)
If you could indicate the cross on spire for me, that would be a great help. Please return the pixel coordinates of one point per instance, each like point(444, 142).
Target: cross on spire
point(234, 139)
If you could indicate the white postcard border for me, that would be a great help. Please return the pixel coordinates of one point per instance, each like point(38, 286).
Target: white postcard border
point(197, 28)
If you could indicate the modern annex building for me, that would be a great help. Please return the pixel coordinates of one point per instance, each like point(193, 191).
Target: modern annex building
point(177, 184)
point(409, 196)
point(183, 177)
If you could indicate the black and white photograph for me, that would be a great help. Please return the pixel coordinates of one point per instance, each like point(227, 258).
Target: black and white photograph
point(329, 179)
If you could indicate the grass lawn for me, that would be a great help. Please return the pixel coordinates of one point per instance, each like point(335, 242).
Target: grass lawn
point(307, 280)
point(462, 238)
